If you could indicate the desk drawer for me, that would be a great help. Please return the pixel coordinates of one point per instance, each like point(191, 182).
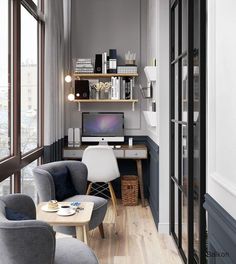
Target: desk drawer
point(119, 153)
point(73, 153)
point(136, 153)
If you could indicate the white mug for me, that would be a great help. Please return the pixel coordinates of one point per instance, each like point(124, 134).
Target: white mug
point(64, 209)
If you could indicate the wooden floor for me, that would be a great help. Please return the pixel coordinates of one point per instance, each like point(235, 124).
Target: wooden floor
point(132, 238)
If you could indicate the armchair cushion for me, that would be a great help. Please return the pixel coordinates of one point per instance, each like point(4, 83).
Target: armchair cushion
point(14, 215)
point(64, 187)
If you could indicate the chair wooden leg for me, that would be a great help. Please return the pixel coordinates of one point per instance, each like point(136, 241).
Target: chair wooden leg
point(101, 230)
point(113, 197)
point(89, 188)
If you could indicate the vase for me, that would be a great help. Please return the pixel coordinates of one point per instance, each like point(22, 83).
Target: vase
point(104, 94)
point(97, 95)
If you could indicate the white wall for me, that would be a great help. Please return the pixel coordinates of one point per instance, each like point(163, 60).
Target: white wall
point(152, 53)
point(163, 99)
point(221, 134)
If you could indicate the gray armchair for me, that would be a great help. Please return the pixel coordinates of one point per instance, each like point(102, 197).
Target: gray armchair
point(45, 186)
point(32, 241)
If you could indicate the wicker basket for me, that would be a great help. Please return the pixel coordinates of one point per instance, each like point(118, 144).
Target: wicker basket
point(129, 189)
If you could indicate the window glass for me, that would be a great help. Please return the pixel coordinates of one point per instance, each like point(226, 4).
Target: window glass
point(5, 187)
point(5, 82)
point(27, 180)
point(29, 82)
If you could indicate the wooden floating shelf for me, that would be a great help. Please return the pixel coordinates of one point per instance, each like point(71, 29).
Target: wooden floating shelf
point(105, 101)
point(103, 75)
point(79, 101)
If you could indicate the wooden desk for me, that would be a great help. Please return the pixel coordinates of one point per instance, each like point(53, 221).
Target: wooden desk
point(79, 220)
point(136, 152)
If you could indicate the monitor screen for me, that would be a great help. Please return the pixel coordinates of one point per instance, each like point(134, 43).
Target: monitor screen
point(102, 124)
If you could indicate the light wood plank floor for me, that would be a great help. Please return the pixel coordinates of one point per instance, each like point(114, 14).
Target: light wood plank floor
point(132, 238)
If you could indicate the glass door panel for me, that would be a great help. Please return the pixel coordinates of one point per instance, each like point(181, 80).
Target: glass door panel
point(184, 26)
point(176, 225)
point(184, 89)
point(187, 117)
point(185, 224)
point(184, 160)
point(176, 14)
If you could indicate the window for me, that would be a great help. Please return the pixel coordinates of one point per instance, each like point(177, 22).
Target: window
point(21, 87)
point(27, 181)
point(29, 81)
point(5, 81)
point(5, 186)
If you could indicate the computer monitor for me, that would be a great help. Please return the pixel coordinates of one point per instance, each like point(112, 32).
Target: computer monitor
point(102, 127)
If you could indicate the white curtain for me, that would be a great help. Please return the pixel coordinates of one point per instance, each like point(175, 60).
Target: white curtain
point(54, 76)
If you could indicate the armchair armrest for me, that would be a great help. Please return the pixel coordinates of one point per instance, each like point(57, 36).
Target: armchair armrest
point(29, 241)
point(20, 203)
point(44, 184)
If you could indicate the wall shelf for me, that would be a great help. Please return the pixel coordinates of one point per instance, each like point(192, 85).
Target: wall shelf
point(105, 101)
point(103, 75)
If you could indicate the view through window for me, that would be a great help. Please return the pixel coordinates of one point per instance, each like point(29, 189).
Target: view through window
point(29, 82)
point(5, 84)
point(27, 181)
point(5, 187)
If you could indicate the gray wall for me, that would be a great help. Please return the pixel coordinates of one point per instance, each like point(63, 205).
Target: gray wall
point(98, 25)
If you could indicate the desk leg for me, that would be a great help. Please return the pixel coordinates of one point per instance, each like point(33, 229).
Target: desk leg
point(82, 233)
point(140, 176)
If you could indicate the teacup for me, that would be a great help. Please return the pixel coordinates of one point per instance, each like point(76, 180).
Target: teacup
point(65, 209)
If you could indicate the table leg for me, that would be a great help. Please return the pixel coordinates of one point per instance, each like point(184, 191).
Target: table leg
point(82, 233)
point(85, 232)
point(140, 176)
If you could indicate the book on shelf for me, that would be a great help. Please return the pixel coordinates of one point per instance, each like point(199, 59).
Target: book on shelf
point(115, 88)
point(104, 62)
point(121, 88)
point(127, 69)
point(83, 65)
point(128, 88)
point(84, 60)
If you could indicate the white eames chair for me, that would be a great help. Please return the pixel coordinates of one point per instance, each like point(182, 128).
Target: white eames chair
point(102, 168)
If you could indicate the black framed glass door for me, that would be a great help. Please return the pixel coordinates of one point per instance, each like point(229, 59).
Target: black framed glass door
point(187, 127)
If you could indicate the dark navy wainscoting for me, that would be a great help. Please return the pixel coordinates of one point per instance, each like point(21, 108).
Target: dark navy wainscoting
point(126, 167)
point(221, 233)
point(153, 183)
point(53, 152)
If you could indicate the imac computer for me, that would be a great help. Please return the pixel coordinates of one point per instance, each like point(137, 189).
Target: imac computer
point(102, 127)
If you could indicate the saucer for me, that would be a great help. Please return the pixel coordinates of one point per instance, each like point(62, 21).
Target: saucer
point(71, 212)
point(46, 209)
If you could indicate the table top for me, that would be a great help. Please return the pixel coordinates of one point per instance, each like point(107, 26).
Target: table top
point(123, 147)
point(79, 218)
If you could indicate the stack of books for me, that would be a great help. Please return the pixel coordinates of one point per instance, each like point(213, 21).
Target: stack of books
point(84, 66)
point(131, 69)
